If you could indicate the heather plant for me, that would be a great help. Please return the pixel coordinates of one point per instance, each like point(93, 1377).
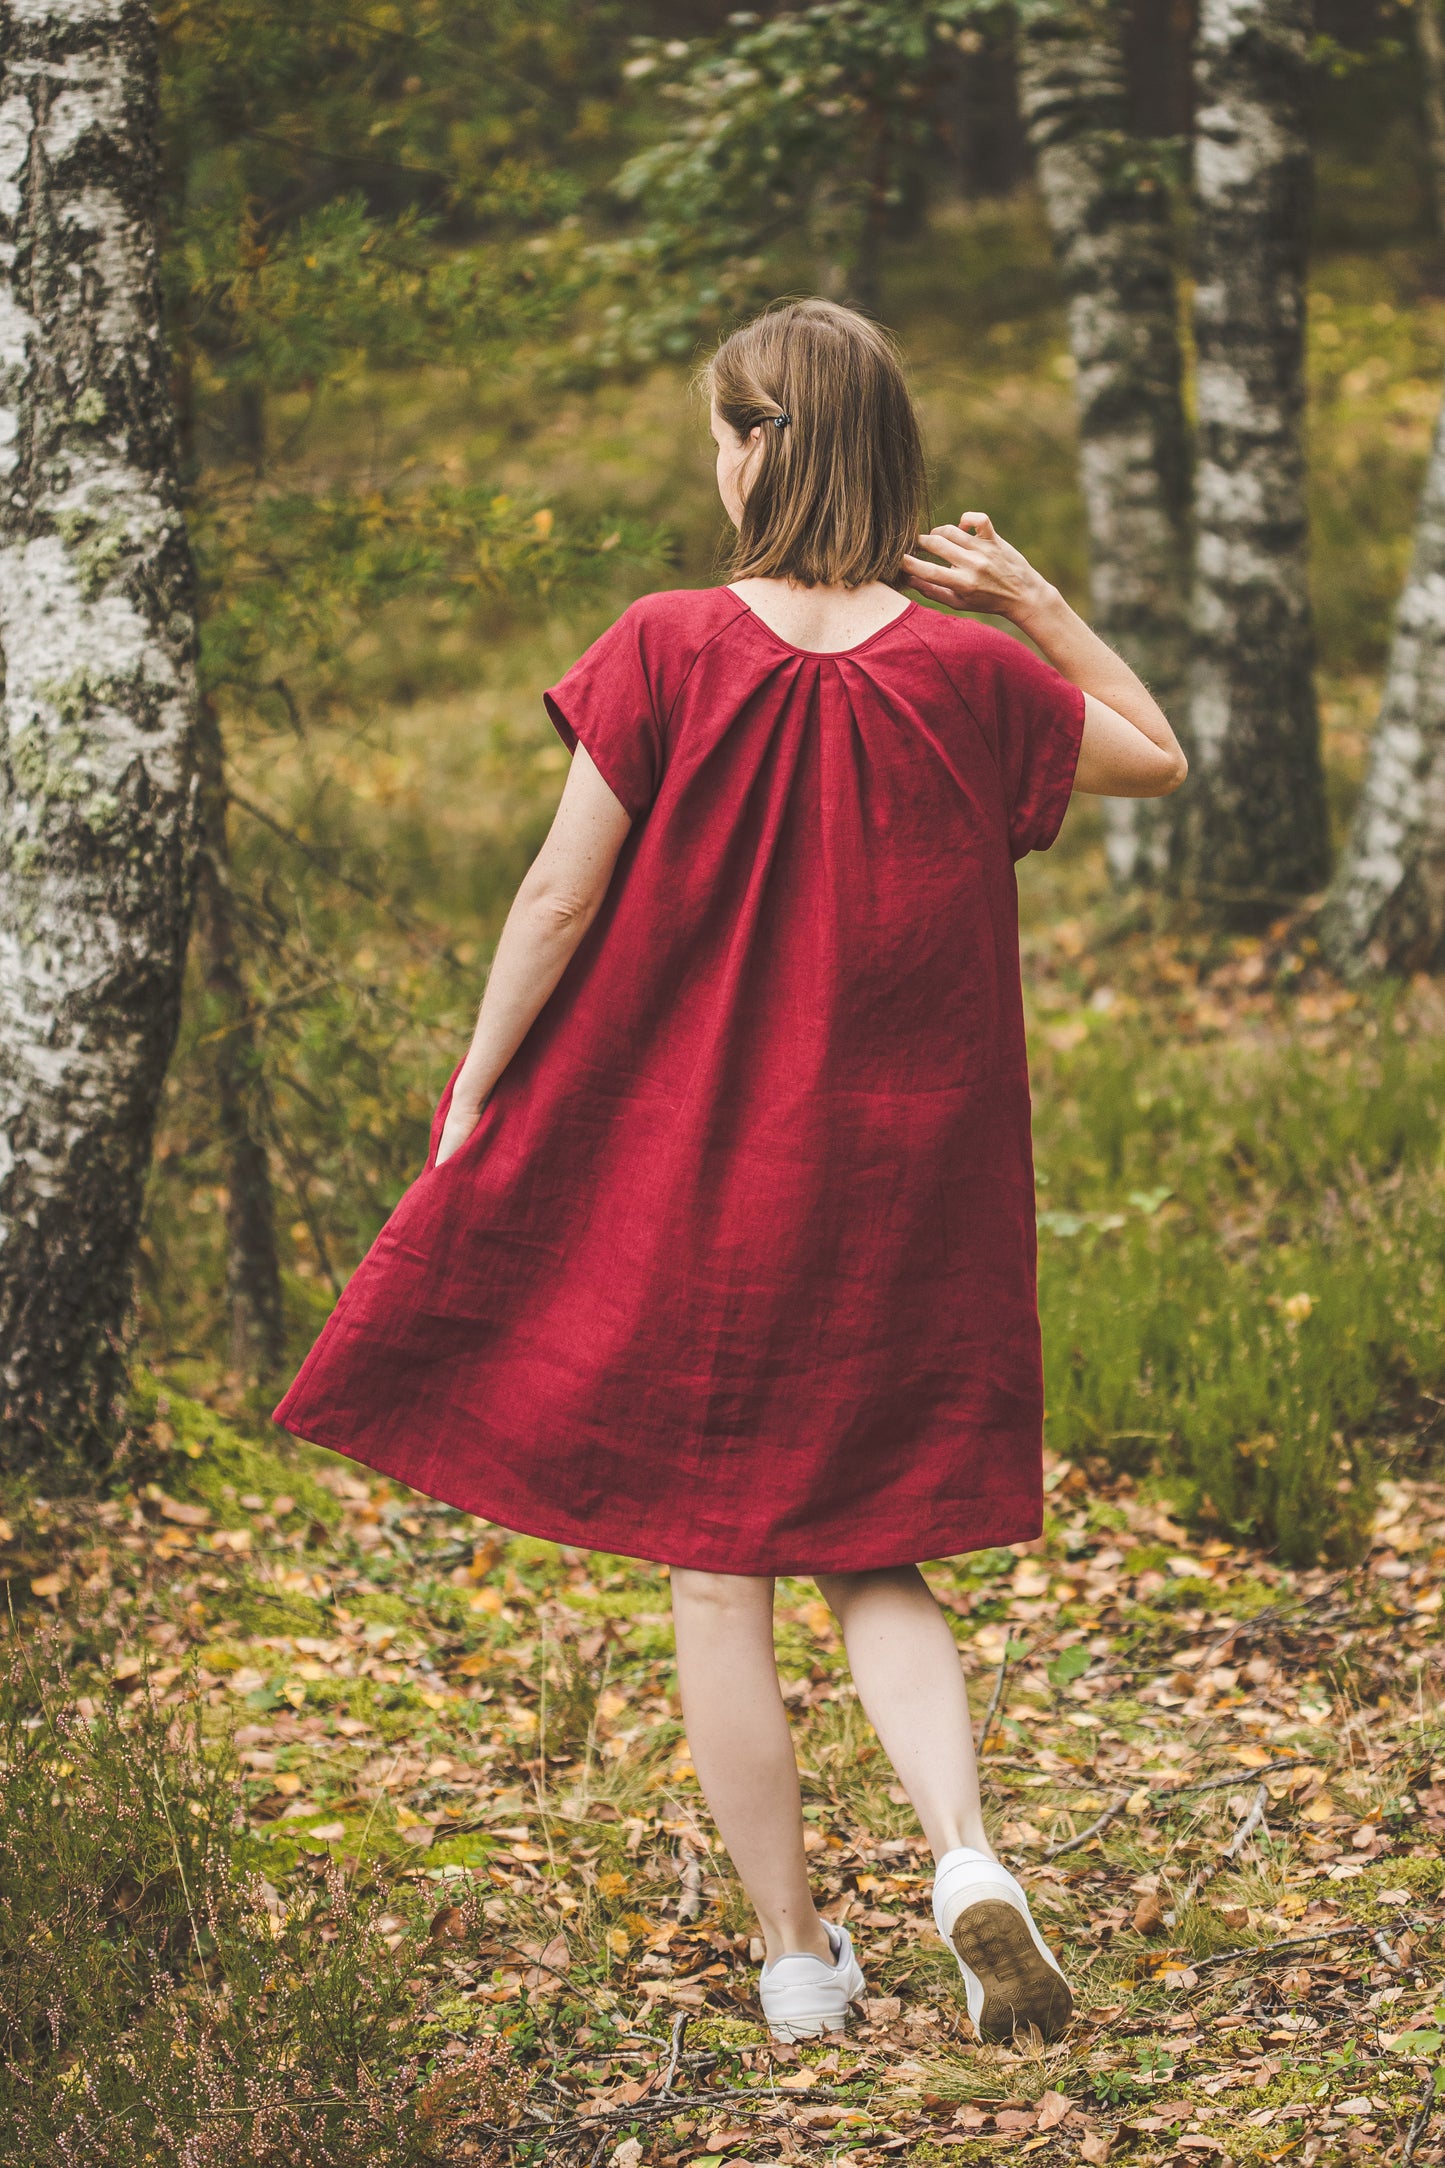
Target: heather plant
point(158, 2000)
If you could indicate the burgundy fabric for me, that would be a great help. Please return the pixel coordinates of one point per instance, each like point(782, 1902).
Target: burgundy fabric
point(737, 1270)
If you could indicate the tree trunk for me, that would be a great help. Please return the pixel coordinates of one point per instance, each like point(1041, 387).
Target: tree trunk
point(97, 801)
point(1430, 43)
point(1386, 909)
point(253, 1278)
point(1257, 819)
point(1109, 217)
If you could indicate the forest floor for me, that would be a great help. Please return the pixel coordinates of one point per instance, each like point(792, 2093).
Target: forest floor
point(1222, 1782)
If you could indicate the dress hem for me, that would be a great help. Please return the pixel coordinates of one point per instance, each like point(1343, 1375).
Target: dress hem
point(993, 1529)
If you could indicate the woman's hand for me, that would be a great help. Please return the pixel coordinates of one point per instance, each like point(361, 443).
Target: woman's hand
point(462, 1118)
point(980, 571)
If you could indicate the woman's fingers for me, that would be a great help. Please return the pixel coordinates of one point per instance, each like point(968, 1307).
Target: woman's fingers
point(953, 553)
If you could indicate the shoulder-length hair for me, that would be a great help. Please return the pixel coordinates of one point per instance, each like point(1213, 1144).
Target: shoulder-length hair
point(837, 490)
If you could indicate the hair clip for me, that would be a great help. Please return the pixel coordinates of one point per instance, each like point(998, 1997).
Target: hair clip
point(780, 421)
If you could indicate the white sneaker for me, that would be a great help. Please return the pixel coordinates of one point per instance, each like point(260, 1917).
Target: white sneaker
point(804, 1996)
point(1011, 1976)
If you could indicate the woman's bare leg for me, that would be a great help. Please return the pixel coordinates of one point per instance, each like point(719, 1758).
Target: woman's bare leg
point(742, 1749)
point(905, 1666)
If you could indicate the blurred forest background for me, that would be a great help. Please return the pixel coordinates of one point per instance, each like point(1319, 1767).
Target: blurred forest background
point(438, 276)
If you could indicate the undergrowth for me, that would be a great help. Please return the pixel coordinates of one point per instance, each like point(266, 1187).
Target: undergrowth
point(157, 2002)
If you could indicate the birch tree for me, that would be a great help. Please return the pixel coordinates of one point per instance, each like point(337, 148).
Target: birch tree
point(1109, 218)
point(1386, 908)
point(97, 713)
point(1258, 825)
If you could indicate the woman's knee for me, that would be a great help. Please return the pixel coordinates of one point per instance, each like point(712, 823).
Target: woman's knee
point(721, 1594)
point(841, 1591)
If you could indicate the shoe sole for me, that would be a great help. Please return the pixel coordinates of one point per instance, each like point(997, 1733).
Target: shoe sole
point(785, 2035)
point(993, 1939)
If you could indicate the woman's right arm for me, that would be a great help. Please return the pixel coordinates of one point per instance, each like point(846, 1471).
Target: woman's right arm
point(1128, 748)
point(559, 897)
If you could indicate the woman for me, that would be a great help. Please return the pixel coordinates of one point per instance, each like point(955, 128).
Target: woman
point(724, 1253)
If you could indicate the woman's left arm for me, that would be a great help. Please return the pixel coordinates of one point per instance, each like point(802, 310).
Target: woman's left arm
point(559, 897)
point(1128, 748)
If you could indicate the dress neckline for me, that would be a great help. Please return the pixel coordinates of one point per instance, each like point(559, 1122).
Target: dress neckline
point(822, 654)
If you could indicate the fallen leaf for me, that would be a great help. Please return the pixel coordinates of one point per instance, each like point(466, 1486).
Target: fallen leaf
point(47, 1584)
point(1053, 2107)
point(181, 1511)
point(1149, 1915)
point(1093, 2146)
point(328, 1832)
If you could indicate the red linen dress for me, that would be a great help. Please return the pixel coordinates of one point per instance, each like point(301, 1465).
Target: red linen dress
point(737, 1270)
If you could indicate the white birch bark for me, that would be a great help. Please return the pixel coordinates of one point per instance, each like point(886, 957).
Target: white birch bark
point(1256, 812)
point(1386, 907)
point(1109, 218)
point(97, 631)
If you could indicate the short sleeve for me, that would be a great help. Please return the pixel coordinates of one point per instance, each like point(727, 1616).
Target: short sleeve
point(1041, 726)
point(606, 703)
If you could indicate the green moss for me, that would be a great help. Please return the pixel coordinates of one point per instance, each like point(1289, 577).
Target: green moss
point(382, 1609)
point(198, 1454)
point(262, 1610)
point(1424, 1878)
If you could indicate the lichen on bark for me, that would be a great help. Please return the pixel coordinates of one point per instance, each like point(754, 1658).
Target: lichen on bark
point(1108, 213)
point(97, 755)
point(1256, 813)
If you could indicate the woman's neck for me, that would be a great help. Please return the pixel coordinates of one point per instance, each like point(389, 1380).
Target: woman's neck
point(821, 619)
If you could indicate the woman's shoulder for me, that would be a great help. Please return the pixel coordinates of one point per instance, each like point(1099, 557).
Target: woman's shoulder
point(964, 641)
point(698, 612)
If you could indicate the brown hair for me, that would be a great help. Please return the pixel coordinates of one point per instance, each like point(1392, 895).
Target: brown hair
point(837, 492)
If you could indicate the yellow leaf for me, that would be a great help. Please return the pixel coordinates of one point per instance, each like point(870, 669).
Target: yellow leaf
point(288, 1783)
point(47, 1584)
point(542, 524)
point(7, 1533)
point(611, 1884)
point(294, 1691)
point(618, 1941)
